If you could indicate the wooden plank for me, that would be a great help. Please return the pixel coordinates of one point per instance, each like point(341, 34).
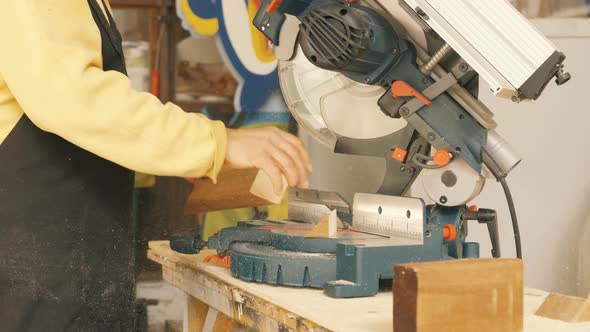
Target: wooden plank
point(224, 324)
point(234, 189)
point(199, 317)
point(270, 308)
point(195, 314)
point(565, 308)
point(186, 272)
point(460, 296)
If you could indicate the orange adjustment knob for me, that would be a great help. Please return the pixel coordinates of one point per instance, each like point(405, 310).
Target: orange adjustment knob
point(274, 5)
point(399, 154)
point(403, 89)
point(473, 208)
point(442, 158)
point(449, 232)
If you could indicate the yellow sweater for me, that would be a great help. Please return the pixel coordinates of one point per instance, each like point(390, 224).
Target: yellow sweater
point(51, 70)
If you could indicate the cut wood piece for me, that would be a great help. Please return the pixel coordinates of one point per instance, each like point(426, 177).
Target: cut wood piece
point(326, 228)
point(565, 308)
point(263, 188)
point(461, 296)
point(235, 188)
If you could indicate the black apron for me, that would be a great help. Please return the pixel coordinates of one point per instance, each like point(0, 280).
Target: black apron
point(66, 252)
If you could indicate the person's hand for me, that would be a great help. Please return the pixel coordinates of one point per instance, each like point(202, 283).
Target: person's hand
point(272, 150)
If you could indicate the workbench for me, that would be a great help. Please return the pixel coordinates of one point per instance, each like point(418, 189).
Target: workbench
point(218, 302)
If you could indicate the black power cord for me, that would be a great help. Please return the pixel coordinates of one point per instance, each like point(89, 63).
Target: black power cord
point(512, 209)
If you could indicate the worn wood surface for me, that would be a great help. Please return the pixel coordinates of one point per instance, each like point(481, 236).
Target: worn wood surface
point(270, 308)
point(487, 292)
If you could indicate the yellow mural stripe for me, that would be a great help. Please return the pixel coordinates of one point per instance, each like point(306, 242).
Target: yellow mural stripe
point(202, 26)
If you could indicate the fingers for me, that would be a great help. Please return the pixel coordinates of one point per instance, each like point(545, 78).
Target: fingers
point(274, 173)
point(276, 152)
point(297, 143)
point(291, 147)
point(287, 166)
point(294, 168)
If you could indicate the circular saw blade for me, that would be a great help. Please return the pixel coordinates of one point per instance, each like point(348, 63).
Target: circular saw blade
point(329, 105)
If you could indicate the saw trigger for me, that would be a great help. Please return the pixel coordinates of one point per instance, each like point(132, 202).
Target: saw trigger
point(403, 89)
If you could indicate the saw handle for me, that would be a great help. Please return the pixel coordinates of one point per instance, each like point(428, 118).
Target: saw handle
point(490, 218)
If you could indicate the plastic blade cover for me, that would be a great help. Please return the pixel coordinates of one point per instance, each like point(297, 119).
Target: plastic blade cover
point(329, 105)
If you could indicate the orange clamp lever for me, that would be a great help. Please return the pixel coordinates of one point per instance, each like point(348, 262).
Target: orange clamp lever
point(403, 89)
point(274, 5)
point(226, 261)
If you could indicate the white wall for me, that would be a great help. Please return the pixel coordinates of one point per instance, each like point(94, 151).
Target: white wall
point(552, 185)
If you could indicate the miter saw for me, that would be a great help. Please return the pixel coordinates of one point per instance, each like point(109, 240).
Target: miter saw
point(395, 80)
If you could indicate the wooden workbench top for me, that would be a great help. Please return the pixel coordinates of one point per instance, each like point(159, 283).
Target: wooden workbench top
point(269, 307)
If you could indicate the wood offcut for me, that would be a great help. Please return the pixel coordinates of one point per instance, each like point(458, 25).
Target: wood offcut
point(484, 295)
point(565, 308)
point(326, 228)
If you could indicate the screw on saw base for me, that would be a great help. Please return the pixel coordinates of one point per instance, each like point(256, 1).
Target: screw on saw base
point(402, 169)
point(431, 137)
point(443, 199)
point(463, 67)
point(410, 171)
point(404, 111)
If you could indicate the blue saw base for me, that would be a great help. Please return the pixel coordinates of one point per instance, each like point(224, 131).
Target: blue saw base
point(350, 265)
point(262, 263)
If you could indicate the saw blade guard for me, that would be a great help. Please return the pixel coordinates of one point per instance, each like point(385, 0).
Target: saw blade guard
point(329, 105)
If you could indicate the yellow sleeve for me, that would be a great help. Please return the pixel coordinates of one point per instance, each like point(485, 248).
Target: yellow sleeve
point(50, 59)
